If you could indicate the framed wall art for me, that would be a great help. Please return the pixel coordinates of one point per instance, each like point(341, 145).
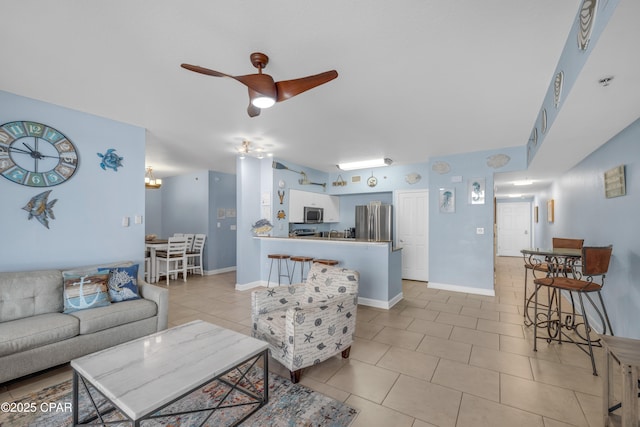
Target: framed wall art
point(550, 210)
point(535, 214)
point(447, 200)
point(614, 182)
point(476, 191)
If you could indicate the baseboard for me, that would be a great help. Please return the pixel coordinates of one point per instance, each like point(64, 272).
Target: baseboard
point(380, 303)
point(251, 285)
point(465, 289)
point(219, 271)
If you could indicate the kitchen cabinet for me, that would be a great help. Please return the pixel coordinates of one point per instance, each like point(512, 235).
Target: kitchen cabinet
point(331, 207)
point(299, 199)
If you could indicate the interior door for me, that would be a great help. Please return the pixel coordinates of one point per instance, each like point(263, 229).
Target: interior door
point(412, 228)
point(514, 228)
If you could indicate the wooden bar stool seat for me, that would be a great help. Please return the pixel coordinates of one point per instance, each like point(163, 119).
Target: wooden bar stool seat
point(327, 261)
point(302, 260)
point(280, 258)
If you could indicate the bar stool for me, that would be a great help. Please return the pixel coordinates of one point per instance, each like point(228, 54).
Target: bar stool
point(279, 257)
point(301, 260)
point(327, 261)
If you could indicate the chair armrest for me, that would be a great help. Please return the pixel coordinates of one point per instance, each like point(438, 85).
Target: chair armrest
point(277, 298)
point(161, 297)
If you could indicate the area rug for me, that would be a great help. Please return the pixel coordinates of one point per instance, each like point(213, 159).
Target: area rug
point(289, 405)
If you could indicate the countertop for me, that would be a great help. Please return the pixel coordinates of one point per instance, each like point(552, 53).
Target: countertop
point(326, 240)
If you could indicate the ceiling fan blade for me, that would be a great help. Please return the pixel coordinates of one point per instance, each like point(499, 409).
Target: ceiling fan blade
point(290, 88)
point(261, 83)
point(202, 70)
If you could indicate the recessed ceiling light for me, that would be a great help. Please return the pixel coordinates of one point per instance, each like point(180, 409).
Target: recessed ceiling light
point(523, 182)
point(374, 163)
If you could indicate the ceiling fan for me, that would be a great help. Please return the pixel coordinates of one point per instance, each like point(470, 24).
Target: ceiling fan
point(263, 90)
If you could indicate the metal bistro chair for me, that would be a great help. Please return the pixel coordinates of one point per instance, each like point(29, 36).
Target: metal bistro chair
point(531, 264)
point(194, 255)
point(581, 279)
point(174, 259)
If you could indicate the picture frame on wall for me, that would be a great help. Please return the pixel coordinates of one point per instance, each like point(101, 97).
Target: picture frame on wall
point(550, 211)
point(447, 200)
point(614, 182)
point(476, 191)
point(535, 214)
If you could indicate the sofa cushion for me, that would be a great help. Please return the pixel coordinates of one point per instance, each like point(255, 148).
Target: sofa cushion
point(123, 283)
point(98, 319)
point(29, 293)
point(36, 331)
point(85, 291)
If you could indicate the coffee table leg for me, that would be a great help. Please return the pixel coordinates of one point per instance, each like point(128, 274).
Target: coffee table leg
point(265, 393)
point(75, 398)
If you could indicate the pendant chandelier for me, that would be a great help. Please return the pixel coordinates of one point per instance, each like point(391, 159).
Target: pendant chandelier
point(150, 181)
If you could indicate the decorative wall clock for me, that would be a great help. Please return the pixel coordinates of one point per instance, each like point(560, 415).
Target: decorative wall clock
point(35, 154)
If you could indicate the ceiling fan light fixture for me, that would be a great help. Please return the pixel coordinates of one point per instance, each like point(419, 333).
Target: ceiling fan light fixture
point(263, 101)
point(363, 164)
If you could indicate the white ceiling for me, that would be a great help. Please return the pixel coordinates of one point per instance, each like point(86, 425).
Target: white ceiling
point(417, 78)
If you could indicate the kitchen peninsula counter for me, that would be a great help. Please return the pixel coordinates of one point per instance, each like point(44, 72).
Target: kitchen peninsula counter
point(379, 264)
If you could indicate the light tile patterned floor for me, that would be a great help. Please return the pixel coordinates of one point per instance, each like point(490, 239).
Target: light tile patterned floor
point(437, 358)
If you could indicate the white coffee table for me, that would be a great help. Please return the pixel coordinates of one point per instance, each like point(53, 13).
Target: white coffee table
point(143, 376)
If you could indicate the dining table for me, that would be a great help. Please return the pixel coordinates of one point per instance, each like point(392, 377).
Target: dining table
point(561, 261)
point(561, 326)
point(152, 246)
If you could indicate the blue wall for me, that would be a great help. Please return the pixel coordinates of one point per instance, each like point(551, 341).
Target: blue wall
point(582, 211)
point(248, 181)
point(87, 228)
point(221, 251)
point(458, 257)
point(189, 204)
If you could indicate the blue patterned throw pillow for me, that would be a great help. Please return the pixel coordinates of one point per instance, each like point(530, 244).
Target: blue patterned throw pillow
point(83, 291)
point(123, 283)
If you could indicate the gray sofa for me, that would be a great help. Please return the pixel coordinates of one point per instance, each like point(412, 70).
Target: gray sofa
point(35, 334)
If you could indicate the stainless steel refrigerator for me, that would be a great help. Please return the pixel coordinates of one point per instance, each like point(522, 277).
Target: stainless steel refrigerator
point(374, 222)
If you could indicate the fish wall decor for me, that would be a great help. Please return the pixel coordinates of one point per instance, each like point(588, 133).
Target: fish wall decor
point(40, 209)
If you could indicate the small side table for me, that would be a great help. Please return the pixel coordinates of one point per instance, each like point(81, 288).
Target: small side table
point(626, 353)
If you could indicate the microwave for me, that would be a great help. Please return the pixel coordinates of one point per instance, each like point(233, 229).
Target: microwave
point(313, 215)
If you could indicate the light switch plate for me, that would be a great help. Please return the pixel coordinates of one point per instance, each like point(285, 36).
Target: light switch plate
point(480, 230)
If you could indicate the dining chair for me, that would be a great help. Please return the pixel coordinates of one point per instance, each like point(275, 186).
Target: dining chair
point(586, 276)
point(194, 256)
point(531, 264)
point(174, 259)
point(190, 238)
